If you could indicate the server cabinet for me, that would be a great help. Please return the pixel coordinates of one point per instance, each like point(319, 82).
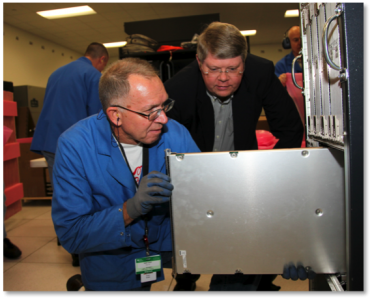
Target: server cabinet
point(332, 50)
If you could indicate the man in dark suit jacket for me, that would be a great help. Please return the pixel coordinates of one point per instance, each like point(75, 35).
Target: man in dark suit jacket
point(219, 99)
point(259, 88)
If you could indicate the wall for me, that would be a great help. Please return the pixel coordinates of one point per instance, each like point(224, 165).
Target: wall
point(29, 59)
point(273, 52)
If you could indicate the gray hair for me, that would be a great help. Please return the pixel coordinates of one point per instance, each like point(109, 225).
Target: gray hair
point(222, 40)
point(114, 82)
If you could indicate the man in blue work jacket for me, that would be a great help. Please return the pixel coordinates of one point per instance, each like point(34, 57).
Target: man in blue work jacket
point(284, 65)
point(111, 191)
point(71, 95)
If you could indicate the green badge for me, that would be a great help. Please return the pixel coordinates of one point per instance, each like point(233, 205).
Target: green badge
point(148, 264)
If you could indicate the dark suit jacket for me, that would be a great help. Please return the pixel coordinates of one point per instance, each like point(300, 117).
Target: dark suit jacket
point(259, 88)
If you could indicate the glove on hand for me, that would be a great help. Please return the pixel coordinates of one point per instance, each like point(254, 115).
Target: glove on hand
point(291, 272)
point(154, 188)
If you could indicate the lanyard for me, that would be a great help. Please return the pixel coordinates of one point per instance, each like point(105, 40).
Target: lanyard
point(145, 170)
point(145, 161)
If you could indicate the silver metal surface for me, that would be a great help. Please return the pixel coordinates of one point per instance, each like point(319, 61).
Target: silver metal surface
point(322, 83)
point(334, 45)
point(316, 67)
point(324, 77)
point(258, 211)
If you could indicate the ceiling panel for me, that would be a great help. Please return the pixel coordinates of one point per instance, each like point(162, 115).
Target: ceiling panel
point(34, 7)
point(132, 6)
point(120, 15)
point(105, 7)
point(108, 24)
point(145, 10)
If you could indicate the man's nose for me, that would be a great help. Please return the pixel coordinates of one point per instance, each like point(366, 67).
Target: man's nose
point(163, 119)
point(223, 76)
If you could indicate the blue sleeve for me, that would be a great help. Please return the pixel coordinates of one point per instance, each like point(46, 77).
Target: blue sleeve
point(280, 68)
point(186, 144)
point(93, 104)
point(82, 224)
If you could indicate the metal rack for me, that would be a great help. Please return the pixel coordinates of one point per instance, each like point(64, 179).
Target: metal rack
point(332, 52)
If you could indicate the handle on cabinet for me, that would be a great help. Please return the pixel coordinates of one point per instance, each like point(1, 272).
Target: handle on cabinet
point(338, 12)
point(293, 73)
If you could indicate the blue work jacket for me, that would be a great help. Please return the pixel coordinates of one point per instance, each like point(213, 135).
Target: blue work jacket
point(285, 65)
point(70, 96)
point(92, 181)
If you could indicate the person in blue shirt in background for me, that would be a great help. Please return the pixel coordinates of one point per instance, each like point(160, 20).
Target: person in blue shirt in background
point(284, 65)
point(71, 95)
point(110, 202)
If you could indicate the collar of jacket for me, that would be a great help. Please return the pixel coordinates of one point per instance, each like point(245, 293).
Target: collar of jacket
point(107, 146)
point(85, 59)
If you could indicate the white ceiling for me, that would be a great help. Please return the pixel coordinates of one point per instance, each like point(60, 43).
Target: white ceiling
point(108, 24)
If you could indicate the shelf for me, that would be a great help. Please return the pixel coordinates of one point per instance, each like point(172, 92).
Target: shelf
point(10, 108)
point(163, 55)
point(11, 151)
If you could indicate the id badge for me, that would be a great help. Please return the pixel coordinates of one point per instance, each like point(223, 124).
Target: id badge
point(147, 267)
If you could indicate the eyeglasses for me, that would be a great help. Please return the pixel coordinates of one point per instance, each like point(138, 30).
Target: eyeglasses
point(231, 72)
point(167, 106)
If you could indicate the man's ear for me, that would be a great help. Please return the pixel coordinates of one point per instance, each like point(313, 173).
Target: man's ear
point(114, 116)
point(103, 59)
point(197, 58)
point(199, 62)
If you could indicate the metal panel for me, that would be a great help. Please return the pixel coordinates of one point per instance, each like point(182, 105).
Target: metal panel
point(333, 38)
point(354, 144)
point(255, 211)
point(323, 67)
point(311, 75)
point(316, 75)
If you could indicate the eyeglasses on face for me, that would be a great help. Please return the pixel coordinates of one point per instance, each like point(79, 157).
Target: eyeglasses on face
point(167, 106)
point(215, 72)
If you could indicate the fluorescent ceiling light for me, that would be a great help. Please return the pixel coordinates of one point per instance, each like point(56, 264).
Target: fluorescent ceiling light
point(248, 32)
point(291, 13)
point(115, 44)
point(67, 12)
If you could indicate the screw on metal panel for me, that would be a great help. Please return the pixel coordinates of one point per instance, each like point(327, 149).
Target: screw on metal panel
point(305, 153)
point(342, 76)
point(338, 10)
point(210, 213)
point(179, 157)
point(233, 154)
point(319, 212)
